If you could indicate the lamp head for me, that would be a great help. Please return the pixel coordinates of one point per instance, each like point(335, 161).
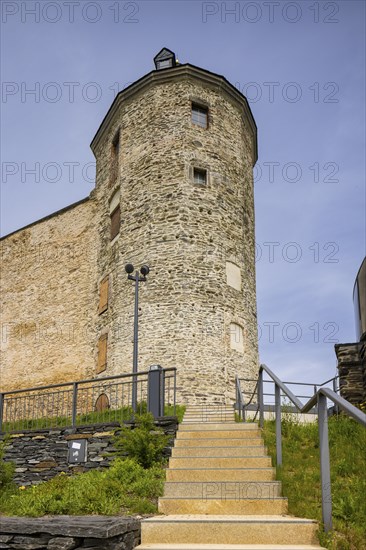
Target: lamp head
point(144, 270)
point(129, 268)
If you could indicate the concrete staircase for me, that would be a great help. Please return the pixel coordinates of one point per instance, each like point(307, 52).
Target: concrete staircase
point(220, 492)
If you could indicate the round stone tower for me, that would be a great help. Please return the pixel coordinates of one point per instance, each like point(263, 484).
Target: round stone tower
point(175, 155)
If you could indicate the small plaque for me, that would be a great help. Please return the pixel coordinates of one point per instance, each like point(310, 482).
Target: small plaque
point(77, 451)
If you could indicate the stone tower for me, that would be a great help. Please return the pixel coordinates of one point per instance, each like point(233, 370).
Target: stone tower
point(174, 190)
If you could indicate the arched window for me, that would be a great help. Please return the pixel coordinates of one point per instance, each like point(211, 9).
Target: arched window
point(236, 337)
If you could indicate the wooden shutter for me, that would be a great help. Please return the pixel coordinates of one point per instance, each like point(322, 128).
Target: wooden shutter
point(115, 222)
point(103, 295)
point(102, 353)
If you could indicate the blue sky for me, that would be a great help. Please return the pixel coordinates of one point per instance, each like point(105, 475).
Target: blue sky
point(301, 65)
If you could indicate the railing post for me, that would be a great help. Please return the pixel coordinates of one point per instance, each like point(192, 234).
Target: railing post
point(237, 399)
point(155, 387)
point(237, 405)
point(1, 410)
point(335, 406)
point(278, 425)
point(260, 399)
point(75, 387)
point(175, 391)
point(324, 462)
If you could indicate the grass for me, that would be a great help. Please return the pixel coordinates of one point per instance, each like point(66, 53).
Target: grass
point(109, 415)
point(300, 476)
point(124, 488)
point(131, 485)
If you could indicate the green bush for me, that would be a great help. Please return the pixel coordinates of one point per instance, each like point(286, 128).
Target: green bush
point(145, 442)
point(125, 487)
point(178, 411)
point(6, 468)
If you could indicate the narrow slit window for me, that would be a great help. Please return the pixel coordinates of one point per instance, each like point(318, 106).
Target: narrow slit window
point(114, 160)
point(199, 176)
point(200, 115)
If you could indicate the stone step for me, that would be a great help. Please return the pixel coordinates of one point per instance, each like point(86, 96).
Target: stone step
point(217, 410)
point(209, 418)
point(224, 489)
point(205, 421)
point(227, 547)
point(208, 414)
point(220, 474)
point(230, 426)
point(221, 462)
point(225, 412)
point(213, 407)
point(182, 433)
point(259, 506)
point(225, 529)
point(218, 442)
point(249, 450)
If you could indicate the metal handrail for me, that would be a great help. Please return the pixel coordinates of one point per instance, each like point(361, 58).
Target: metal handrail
point(319, 399)
point(87, 381)
point(314, 387)
point(75, 387)
point(239, 399)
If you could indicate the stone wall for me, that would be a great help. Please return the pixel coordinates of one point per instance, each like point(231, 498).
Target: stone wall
point(47, 290)
point(193, 314)
point(41, 455)
point(186, 233)
point(352, 371)
point(69, 533)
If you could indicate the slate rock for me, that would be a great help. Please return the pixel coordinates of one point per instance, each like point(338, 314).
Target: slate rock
point(61, 543)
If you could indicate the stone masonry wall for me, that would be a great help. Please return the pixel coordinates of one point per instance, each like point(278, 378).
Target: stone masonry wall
point(48, 300)
point(185, 232)
point(352, 372)
point(41, 455)
point(69, 533)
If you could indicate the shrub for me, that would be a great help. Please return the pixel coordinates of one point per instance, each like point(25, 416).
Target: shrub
point(145, 442)
point(6, 468)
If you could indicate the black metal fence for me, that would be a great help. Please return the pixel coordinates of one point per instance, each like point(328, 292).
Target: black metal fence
point(98, 400)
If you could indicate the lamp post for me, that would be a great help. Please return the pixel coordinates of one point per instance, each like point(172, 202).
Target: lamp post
point(144, 270)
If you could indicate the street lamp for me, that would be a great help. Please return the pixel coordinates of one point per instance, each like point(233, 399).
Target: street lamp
point(144, 270)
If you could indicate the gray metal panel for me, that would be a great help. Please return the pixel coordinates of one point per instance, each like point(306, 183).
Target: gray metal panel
point(359, 301)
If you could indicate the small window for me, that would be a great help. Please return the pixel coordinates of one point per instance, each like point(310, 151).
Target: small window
point(102, 353)
point(200, 115)
point(200, 176)
point(103, 295)
point(114, 160)
point(115, 222)
point(164, 64)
